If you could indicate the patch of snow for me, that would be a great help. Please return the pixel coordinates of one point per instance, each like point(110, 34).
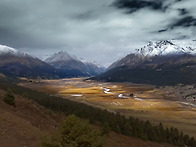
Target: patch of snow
point(171, 47)
point(5, 49)
point(106, 90)
point(83, 60)
point(189, 104)
point(188, 45)
point(77, 95)
point(60, 56)
point(138, 99)
point(121, 96)
point(9, 50)
point(116, 103)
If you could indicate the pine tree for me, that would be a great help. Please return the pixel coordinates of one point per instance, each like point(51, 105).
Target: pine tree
point(77, 133)
point(9, 98)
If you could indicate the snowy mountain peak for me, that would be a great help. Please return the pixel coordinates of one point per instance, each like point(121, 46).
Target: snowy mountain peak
point(173, 47)
point(73, 66)
point(64, 56)
point(60, 56)
point(5, 49)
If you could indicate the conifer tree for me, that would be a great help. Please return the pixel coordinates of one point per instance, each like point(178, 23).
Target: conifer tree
point(9, 98)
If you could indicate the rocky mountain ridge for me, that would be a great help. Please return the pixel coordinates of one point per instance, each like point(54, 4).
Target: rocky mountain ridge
point(72, 65)
point(159, 63)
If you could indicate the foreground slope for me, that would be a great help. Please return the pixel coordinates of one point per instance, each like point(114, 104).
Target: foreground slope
point(25, 124)
point(159, 63)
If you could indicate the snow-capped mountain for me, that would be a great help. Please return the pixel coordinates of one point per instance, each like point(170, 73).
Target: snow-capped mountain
point(73, 66)
point(173, 47)
point(60, 56)
point(162, 62)
point(59, 65)
point(5, 49)
point(18, 64)
point(158, 52)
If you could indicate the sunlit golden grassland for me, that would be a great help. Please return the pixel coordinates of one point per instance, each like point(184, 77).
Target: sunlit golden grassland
point(147, 102)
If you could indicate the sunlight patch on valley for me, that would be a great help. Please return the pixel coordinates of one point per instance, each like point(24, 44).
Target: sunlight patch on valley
point(142, 101)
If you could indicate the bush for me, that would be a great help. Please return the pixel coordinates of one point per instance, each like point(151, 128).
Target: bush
point(9, 98)
point(76, 133)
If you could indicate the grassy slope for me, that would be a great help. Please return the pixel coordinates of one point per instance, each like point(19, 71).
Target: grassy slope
point(25, 124)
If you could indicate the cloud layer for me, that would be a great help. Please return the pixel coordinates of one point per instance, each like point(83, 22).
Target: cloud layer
point(101, 31)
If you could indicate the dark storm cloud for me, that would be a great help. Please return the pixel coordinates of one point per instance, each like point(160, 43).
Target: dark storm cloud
point(183, 11)
point(175, 14)
point(93, 29)
point(183, 22)
point(134, 5)
point(188, 21)
point(163, 30)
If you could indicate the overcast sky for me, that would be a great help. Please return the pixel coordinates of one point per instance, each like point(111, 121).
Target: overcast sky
point(96, 30)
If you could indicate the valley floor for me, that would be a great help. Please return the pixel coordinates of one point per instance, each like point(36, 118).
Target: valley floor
point(146, 102)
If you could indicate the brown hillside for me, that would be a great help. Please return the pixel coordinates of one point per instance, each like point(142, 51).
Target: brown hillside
point(25, 124)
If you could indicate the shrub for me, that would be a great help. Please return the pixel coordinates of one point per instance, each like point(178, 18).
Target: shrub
point(76, 133)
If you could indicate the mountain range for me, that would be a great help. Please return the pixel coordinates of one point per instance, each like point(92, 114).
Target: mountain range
point(61, 65)
point(167, 62)
point(72, 65)
point(160, 63)
point(18, 64)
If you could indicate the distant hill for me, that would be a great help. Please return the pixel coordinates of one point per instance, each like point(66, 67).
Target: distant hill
point(18, 64)
point(159, 63)
point(73, 66)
